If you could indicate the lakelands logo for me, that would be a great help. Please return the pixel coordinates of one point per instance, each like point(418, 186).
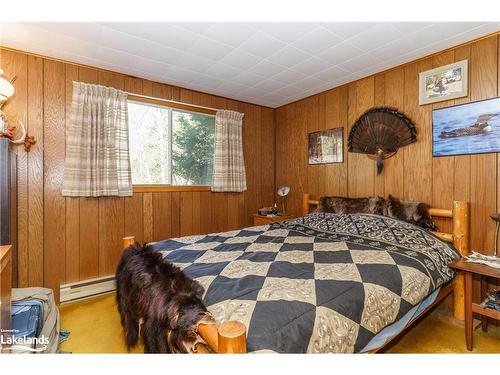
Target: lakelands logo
point(8, 341)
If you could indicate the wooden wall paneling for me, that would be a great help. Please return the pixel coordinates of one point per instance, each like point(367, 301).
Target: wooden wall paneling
point(162, 91)
point(54, 202)
point(89, 211)
point(147, 198)
point(13, 216)
point(72, 221)
point(443, 173)
point(361, 169)
point(206, 210)
point(267, 147)
point(111, 209)
point(133, 206)
point(417, 156)
point(35, 172)
point(186, 213)
point(147, 219)
point(15, 64)
point(196, 226)
point(498, 159)
point(462, 162)
point(315, 173)
point(296, 131)
point(162, 216)
point(379, 101)
point(393, 167)
point(253, 155)
point(175, 211)
point(484, 61)
point(280, 141)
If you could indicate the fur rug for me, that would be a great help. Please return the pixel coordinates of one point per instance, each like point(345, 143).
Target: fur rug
point(412, 212)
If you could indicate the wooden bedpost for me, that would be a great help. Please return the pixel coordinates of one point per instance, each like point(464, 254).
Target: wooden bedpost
point(228, 338)
point(305, 204)
point(461, 242)
point(127, 241)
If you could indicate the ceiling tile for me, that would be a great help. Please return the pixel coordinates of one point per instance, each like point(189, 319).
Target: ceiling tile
point(248, 79)
point(330, 74)
point(288, 76)
point(229, 33)
point(240, 59)
point(209, 49)
point(223, 71)
point(375, 36)
point(340, 53)
point(317, 40)
point(286, 31)
point(289, 56)
point(312, 66)
point(347, 29)
point(266, 68)
point(359, 63)
point(266, 63)
point(262, 45)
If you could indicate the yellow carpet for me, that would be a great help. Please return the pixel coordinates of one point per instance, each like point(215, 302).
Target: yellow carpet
point(95, 328)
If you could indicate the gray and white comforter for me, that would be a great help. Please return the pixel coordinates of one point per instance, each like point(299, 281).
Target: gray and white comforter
point(319, 283)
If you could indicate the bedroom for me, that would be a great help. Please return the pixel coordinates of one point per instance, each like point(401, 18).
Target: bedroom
point(213, 121)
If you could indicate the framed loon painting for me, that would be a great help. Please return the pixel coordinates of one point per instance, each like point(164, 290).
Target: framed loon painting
point(472, 128)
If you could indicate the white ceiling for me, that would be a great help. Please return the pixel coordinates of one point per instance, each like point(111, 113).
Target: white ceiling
point(270, 64)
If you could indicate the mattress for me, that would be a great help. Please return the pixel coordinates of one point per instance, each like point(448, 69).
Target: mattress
point(322, 283)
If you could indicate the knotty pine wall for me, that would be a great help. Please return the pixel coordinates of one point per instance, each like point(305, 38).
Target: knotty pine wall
point(60, 239)
point(413, 173)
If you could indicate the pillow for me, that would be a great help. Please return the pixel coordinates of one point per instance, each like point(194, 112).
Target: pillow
point(341, 205)
point(412, 212)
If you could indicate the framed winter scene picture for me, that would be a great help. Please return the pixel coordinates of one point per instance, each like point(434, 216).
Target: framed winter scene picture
point(326, 146)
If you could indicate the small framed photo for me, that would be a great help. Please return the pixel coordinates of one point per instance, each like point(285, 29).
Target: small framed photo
point(443, 83)
point(326, 146)
point(471, 128)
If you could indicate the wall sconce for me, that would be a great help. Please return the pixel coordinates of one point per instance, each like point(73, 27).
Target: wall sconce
point(14, 134)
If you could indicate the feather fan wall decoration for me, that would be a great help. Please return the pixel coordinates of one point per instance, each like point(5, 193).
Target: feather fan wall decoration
point(380, 132)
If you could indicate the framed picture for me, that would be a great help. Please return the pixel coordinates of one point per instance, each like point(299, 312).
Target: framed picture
point(472, 128)
point(443, 83)
point(326, 146)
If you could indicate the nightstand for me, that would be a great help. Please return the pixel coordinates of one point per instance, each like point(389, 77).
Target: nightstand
point(264, 220)
point(484, 272)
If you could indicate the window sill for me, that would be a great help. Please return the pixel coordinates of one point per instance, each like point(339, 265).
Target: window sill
point(167, 188)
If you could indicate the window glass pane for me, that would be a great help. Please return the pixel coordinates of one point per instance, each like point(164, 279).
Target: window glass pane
point(149, 140)
point(192, 148)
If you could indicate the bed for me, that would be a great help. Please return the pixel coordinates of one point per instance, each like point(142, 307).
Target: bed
point(321, 283)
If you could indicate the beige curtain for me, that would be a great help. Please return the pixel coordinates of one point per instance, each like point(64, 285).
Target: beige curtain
point(229, 164)
point(97, 155)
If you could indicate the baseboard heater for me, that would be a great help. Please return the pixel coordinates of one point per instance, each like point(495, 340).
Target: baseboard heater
point(87, 288)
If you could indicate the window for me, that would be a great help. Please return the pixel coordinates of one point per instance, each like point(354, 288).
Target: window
point(170, 146)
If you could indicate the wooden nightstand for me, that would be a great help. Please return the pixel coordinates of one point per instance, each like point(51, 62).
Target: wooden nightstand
point(484, 272)
point(264, 220)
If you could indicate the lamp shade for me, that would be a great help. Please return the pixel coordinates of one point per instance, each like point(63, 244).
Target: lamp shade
point(6, 88)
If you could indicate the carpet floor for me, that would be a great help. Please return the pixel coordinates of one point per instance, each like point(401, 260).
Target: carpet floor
point(95, 328)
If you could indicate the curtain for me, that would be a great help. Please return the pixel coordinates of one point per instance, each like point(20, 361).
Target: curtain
point(97, 154)
point(229, 164)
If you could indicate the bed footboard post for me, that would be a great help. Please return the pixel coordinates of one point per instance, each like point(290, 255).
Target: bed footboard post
point(228, 338)
point(127, 241)
point(305, 204)
point(461, 242)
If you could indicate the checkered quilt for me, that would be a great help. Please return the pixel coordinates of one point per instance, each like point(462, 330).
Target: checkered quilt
point(319, 283)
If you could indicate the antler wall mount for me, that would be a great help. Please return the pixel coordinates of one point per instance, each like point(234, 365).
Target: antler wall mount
point(380, 132)
point(16, 133)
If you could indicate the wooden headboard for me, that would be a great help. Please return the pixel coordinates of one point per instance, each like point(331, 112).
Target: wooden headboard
point(459, 236)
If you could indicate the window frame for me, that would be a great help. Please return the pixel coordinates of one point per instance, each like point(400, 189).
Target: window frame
point(153, 188)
